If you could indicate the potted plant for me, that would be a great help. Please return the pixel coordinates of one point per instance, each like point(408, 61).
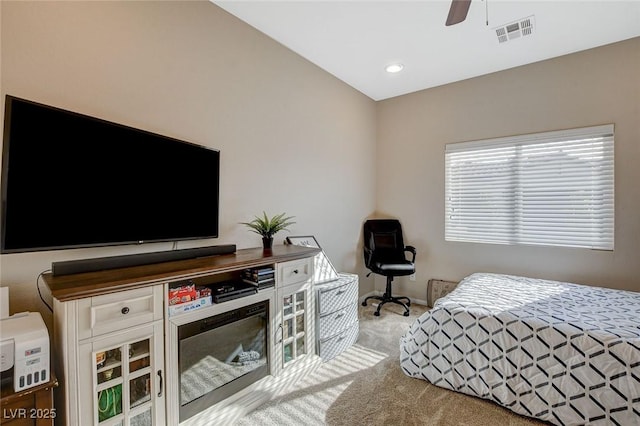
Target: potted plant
point(268, 227)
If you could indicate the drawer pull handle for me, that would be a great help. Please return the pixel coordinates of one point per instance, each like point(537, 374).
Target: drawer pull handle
point(295, 271)
point(338, 293)
point(341, 314)
point(125, 310)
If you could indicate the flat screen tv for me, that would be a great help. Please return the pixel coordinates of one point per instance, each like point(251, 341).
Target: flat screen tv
point(70, 181)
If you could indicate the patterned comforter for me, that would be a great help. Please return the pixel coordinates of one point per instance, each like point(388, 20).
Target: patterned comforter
point(565, 353)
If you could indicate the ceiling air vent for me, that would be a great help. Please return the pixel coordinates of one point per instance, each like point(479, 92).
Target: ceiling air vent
point(513, 30)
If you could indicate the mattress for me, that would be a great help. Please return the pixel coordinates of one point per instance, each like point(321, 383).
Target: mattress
point(565, 353)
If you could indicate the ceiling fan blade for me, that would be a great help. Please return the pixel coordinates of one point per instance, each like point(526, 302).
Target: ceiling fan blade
point(458, 11)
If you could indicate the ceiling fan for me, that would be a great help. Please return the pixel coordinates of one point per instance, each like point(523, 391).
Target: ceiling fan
point(458, 11)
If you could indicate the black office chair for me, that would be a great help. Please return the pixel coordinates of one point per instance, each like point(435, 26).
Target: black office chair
point(384, 254)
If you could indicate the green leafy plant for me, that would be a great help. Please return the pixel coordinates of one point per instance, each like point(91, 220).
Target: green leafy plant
point(267, 227)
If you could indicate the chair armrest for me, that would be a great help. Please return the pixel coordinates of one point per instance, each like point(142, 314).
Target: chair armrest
point(412, 250)
point(368, 254)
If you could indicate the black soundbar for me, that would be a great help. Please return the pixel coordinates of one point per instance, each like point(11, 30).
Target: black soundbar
point(70, 267)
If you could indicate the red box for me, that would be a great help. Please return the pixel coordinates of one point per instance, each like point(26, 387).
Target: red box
point(203, 291)
point(182, 294)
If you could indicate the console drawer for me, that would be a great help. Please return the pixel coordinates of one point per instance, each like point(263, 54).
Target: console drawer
point(335, 322)
point(338, 296)
point(116, 311)
point(295, 271)
point(334, 346)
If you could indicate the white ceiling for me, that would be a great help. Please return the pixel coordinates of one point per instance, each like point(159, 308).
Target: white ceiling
point(354, 40)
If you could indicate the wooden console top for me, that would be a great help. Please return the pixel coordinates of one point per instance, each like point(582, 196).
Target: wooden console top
point(78, 286)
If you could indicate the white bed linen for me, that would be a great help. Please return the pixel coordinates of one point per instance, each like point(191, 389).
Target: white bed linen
point(561, 352)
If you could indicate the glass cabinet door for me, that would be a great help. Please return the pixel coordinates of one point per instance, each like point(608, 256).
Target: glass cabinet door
point(124, 380)
point(294, 313)
point(109, 379)
point(140, 383)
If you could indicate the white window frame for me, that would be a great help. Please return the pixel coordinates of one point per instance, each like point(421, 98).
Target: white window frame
point(551, 189)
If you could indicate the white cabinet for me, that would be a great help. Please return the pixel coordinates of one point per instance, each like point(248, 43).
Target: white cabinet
point(294, 320)
point(337, 315)
point(126, 378)
point(111, 358)
point(110, 344)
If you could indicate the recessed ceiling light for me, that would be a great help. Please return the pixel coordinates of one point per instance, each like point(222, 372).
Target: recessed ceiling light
point(394, 68)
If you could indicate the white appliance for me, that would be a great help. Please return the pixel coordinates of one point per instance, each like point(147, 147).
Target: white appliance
point(24, 346)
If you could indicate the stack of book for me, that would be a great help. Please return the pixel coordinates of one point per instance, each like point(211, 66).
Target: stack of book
point(260, 277)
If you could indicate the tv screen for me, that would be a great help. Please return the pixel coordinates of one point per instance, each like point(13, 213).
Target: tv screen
point(70, 180)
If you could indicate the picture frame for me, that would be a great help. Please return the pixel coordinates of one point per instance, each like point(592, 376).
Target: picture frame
point(305, 241)
point(323, 268)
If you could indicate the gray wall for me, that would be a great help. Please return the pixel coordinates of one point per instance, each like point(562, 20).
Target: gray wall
point(593, 87)
point(292, 137)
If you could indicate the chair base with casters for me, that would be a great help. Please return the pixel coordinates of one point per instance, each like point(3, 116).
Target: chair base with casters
point(388, 298)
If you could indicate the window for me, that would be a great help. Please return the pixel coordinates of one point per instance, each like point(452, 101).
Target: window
point(553, 189)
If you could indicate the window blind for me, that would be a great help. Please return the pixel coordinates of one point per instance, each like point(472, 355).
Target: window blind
point(552, 188)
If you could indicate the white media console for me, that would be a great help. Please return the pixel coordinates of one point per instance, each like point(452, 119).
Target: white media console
point(116, 346)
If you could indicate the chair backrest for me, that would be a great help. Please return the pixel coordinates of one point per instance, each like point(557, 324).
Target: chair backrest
point(383, 241)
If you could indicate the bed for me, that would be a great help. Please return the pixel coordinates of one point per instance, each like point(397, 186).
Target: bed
point(565, 353)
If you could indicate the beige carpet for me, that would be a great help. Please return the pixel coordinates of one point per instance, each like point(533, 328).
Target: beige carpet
point(365, 386)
